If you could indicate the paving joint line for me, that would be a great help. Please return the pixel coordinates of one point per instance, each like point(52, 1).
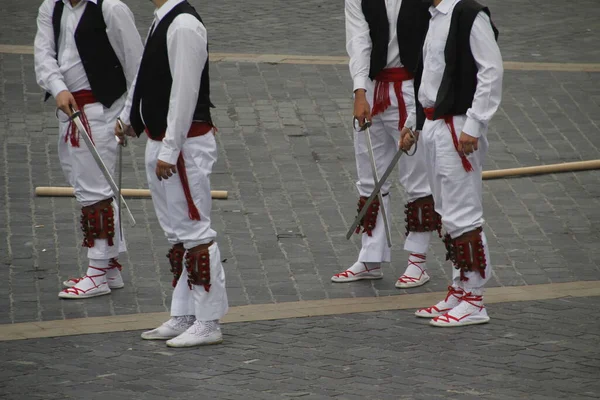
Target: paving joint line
point(298, 309)
point(343, 60)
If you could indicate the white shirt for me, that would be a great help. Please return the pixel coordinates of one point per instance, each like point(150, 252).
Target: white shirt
point(186, 48)
point(68, 73)
point(487, 57)
point(358, 41)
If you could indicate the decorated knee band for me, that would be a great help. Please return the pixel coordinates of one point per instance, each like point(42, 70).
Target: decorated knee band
point(197, 265)
point(422, 217)
point(98, 222)
point(175, 257)
point(466, 252)
point(370, 219)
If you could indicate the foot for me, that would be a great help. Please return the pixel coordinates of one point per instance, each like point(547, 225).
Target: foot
point(452, 300)
point(201, 333)
point(88, 286)
point(113, 276)
point(359, 271)
point(470, 311)
point(170, 329)
point(415, 274)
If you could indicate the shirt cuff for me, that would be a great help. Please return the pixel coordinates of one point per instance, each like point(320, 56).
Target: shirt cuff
point(168, 155)
point(473, 127)
point(360, 82)
point(411, 121)
point(56, 87)
point(125, 116)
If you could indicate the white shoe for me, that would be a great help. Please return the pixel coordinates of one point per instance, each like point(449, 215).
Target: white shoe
point(201, 333)
point(470, 311)
point(170, 329)
point(113, 276)
point(78, 293)
point(357, 272)
point(415, 274)
point(406, 282)
point(452, 300)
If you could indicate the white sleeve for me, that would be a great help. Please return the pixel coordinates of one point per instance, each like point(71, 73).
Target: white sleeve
point(47, 71)
point(186, 47)
point(358, 43)
point(489, 76)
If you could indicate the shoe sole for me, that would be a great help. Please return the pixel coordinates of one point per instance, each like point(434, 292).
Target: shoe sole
point(410, 285)
point(157, 337)
point(367, 278)
point(69, 296)
point(447, 325)
point(196, 345)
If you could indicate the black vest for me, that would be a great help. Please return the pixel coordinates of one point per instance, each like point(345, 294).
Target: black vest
point(459, 81)
point(411, 28)
point(153, 85)
point(102, 66)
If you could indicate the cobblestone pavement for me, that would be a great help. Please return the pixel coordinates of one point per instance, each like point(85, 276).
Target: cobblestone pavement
point(286, 158)
point(530, 350)
point(529, 30)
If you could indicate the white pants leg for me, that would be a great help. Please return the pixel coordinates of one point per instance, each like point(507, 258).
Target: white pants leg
point(200, 154)
point(83, 173)
point(385, 137)
point(457, 193)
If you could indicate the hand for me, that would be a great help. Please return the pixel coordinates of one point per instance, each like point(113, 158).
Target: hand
point(362, 110)
point(165, 170)
point(64, 101)
point(126, 130)
point(467, 144)
point(406, 139)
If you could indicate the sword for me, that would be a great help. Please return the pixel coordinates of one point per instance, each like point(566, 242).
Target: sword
point(378, 187)
point(121, 145)
point(75, 117)
point(366, 127)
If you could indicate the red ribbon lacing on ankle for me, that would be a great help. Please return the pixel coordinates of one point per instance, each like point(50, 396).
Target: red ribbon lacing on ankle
point(345, 273)
point(410, 279)
point(77, 291)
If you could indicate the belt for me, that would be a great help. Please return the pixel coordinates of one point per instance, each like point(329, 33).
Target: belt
point(381, 97)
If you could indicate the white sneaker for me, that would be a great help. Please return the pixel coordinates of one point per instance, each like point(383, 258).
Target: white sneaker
point(357, 272)
point(452, 299)
point(113, 276)
point(170, 329)
point(470, 311)
point(201, 333)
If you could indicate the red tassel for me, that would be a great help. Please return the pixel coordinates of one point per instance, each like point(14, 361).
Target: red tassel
point(401, 105)
point(465, 162)
point(381, 98)
point(193, 212)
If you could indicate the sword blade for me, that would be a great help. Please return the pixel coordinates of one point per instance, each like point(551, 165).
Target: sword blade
point(374, 194)
point(388, 235)
point(88, 141)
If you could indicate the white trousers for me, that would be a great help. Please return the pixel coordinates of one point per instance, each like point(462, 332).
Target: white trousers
point(171, 207)
point(385, 137)
point(456, 192)
point(84, 175)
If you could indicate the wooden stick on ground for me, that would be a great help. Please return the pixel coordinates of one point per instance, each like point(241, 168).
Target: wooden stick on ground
point(542, 169)
point(58, 191)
